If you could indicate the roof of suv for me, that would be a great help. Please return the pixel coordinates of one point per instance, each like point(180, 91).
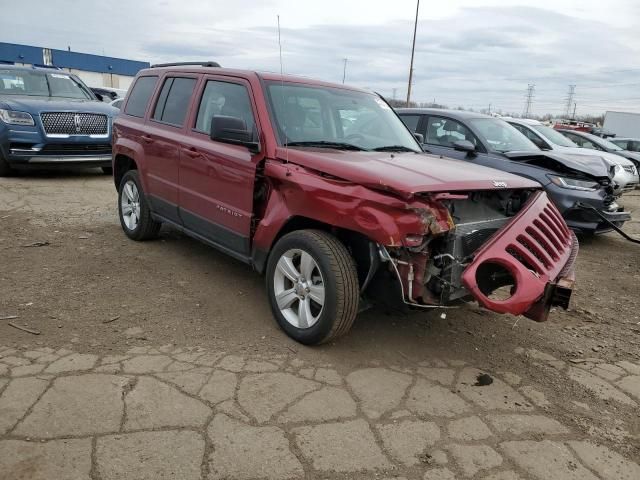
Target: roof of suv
point(269, 76)
point(38, 68)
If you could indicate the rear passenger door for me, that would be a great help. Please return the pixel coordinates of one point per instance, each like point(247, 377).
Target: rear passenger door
point(165, 129)
point(216, 178)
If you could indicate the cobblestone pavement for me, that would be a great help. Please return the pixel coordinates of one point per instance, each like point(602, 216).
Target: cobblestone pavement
point(196, 414)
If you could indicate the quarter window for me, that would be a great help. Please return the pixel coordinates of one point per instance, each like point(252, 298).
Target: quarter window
point(224, 99)
point(173, 101)
point(140, 95)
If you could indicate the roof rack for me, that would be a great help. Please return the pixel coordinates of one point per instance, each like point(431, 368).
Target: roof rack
point(181, 64)
point(51, 67)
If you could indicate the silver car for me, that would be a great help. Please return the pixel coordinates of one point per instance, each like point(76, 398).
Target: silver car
point(546, 138)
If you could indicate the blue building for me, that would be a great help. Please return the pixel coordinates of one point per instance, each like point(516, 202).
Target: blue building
point(94, 70)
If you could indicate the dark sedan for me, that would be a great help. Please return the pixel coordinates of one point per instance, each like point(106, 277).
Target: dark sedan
point(571, 182)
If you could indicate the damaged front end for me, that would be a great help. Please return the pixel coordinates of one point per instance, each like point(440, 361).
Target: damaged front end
point(508, 249)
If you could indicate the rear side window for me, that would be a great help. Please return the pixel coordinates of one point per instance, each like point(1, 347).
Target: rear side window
point(173, 101)
point(140, 95)
point(411, 121)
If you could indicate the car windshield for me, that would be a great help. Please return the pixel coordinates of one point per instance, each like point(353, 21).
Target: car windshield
point(41, 84)
point(602, 142)
point(337, 118)
point(554, 136)
point(499, 136)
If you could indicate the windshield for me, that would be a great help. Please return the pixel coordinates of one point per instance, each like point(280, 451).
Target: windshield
point(329, 117)
point(554, 136)
point(41, 84)
point(602, 142)
point(499, 136)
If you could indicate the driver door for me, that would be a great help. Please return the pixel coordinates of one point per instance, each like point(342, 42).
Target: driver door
point(217, 179)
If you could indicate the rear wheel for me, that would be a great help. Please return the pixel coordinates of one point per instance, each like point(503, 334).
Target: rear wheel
point(133, 209)
point(312, 285)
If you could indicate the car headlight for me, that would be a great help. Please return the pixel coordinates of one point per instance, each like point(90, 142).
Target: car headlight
point(16, 118)
point(574, 183)
point(617, 168)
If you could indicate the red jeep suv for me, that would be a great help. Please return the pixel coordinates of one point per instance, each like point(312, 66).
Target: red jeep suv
point(323, 188)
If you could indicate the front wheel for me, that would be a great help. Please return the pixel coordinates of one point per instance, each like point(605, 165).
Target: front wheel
point(5, 169)
point(312, 285)
point(133, 209)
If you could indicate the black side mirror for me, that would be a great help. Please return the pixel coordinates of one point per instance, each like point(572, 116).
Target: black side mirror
point(99, 96)
point(464, 146)
point(419, 137)
point(232, 130)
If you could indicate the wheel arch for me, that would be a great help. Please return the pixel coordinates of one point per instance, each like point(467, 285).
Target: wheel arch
point(121, 165)
point(358, 244)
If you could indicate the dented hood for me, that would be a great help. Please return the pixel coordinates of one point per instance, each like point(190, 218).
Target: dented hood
point(403, 173)
point(591, 165)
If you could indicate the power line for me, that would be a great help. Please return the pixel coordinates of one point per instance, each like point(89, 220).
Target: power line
point(413, 49)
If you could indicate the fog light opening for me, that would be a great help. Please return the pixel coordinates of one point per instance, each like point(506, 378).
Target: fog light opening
point(495, 281)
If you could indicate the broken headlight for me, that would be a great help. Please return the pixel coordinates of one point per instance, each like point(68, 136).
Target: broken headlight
point(574, 183)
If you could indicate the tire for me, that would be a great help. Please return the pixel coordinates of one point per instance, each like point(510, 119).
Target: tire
point(333, 278)
point(5, 169)
point(107, 170)
point(139, 225)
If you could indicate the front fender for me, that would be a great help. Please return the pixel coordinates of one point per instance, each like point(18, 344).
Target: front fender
point(383, 218)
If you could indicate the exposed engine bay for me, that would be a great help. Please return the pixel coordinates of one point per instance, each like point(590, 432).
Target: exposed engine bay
point(430, 273)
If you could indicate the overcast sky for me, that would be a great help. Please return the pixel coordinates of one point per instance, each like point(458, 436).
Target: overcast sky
point(469, 52)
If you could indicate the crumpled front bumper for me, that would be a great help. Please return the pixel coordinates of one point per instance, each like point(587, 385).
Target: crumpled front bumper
point(538, 250)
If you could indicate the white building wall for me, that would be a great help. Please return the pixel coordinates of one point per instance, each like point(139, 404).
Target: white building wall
point(96, 79)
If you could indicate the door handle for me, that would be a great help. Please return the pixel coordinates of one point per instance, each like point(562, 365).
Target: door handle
point(146, 139)
point(192, 152)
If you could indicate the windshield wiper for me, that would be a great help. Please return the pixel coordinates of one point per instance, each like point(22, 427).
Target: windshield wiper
point(394, 148)
point(324, 144)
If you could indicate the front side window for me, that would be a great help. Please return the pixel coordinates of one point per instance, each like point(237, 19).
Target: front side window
point(501, 137)
point(42, 84)
point(554, 136)
point(173, 102)
point(445, 132)
point(224, 99)
point(140, 95)
point(331, 117)
point(530, 135)
point(582, 142)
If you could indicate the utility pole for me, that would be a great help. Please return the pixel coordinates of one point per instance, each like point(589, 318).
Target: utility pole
point(394, 93)
point(344, 70)
point(574, 111)
point(570, 100)
point(413, 49)
point(531, 88)
point(489, 109)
